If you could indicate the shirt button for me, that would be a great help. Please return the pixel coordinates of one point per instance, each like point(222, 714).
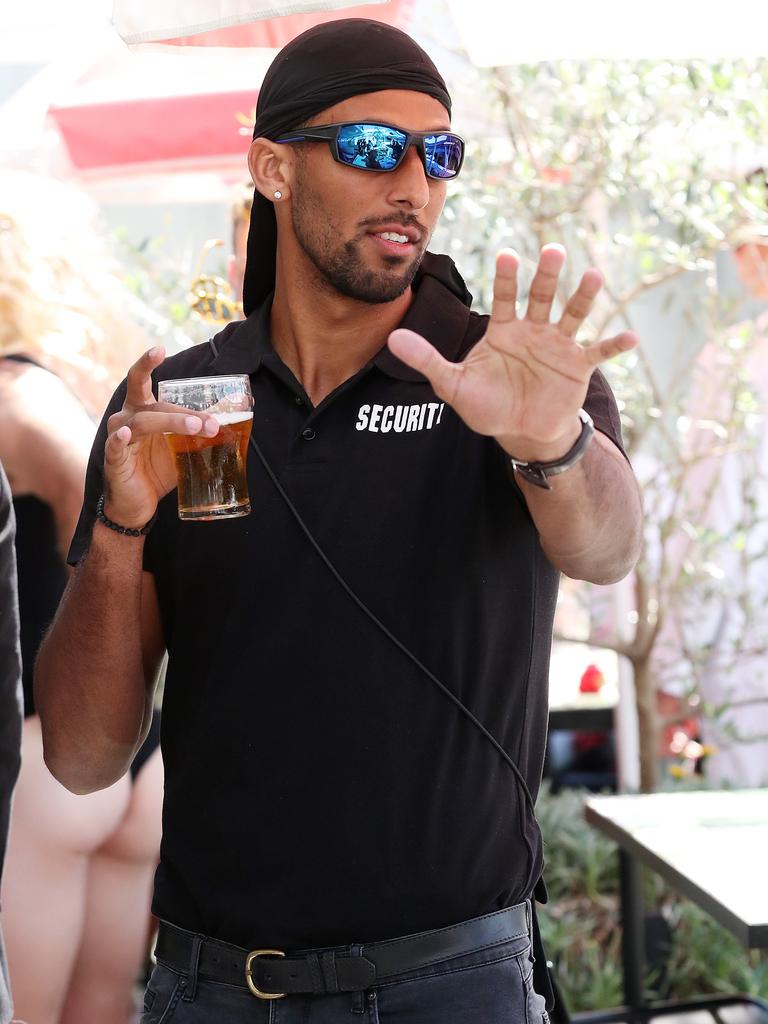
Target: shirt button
point(298, 400)
point(307, 433)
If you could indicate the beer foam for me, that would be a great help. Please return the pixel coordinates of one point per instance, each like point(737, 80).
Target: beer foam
point(226, 418)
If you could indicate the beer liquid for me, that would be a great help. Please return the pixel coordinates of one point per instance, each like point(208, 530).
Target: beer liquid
point(210, 471)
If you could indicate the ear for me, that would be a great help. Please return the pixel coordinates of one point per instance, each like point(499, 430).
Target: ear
point(271, 167)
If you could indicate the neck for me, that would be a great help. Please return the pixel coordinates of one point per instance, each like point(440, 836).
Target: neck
point(325, 337)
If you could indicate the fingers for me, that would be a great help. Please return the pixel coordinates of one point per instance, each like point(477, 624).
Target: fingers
point(544, 284)
point(147, 423)
point(417, 353)
point(580, 303)
point(603, 350)
point(505, 287)
point(116, 448)
point(140, 377)
point(163, 417)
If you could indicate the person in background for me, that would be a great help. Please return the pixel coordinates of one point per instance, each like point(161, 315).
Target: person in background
point(78, 874)
point(10, 698)
point(727, 491)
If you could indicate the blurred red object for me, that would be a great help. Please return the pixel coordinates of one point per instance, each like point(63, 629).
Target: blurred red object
point(591, 680)
point(185, 107)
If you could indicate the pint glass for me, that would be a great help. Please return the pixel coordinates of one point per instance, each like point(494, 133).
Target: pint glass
point(210, 471)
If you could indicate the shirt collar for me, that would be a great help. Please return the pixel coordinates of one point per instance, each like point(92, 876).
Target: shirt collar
point(243, 345)
point(440, 312)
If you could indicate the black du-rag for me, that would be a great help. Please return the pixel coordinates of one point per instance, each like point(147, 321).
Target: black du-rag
point(319, 68)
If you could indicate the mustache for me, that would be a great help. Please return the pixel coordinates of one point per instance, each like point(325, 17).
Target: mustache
point(405, 221)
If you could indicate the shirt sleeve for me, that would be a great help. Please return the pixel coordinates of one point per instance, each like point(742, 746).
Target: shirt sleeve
point(10, 663)
point(94, 482)
point(601, 406)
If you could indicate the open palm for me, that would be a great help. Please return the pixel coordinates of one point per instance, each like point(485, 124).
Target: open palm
point(526, 379)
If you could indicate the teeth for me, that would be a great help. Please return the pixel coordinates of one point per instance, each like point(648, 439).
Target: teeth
point(391, 236)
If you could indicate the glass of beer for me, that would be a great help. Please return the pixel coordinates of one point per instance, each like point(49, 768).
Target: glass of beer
point(211, 471)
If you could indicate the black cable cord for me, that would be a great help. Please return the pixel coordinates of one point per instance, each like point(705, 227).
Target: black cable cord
point(391, 636)
point(374, 618)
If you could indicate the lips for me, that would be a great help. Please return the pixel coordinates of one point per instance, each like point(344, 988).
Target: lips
point(392, 247)
point(411, 233)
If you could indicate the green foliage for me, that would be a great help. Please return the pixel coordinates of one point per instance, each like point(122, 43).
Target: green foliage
point(643, 170)
point(161, 286)
point(630, 163)
point(581, 925)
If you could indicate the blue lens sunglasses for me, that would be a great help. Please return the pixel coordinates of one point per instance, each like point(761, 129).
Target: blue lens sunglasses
point(371, 146)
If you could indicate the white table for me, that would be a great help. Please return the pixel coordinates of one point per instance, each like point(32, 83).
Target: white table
point(712, 847)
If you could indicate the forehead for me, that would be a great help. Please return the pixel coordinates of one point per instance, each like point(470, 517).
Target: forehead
point(414, 111)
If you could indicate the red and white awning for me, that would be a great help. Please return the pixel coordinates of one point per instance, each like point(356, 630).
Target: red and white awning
point(142, 112)
point(125, 123)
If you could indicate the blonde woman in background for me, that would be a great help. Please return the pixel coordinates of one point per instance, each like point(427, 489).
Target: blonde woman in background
point(77, 883)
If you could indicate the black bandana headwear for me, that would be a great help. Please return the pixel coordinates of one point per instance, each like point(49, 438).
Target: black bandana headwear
point(319, 68)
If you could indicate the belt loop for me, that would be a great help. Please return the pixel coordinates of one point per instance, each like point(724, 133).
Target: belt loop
point(328, 967)
point(358, 998)
point(194, 963)
point(315, 972)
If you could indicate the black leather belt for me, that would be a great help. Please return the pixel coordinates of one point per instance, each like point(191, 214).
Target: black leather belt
point(272, 973)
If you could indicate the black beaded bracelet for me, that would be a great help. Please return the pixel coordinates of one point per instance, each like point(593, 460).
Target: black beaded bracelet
point(126, 531)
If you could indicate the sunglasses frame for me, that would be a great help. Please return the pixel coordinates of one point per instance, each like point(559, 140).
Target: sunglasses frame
point(330, 133)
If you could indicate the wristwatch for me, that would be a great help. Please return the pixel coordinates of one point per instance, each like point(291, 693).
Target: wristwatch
point(537, 472)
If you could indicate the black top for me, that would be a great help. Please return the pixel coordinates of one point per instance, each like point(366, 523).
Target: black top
point(320, 789)
point(42, 580)
point(42, 572)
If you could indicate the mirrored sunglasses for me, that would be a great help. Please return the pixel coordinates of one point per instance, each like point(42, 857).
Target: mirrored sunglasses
point(381, 147)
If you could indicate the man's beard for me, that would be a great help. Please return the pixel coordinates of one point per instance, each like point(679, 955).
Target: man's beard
point(340, 266)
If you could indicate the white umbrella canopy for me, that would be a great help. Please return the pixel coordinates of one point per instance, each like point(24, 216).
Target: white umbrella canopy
point(217, 22)
point(499, 34)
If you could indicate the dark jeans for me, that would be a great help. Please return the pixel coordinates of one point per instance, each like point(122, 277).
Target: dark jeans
point(490, 986)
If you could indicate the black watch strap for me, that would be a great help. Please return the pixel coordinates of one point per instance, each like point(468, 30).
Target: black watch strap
point(537, 472)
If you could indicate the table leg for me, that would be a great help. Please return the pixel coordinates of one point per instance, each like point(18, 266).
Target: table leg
point(633, 930)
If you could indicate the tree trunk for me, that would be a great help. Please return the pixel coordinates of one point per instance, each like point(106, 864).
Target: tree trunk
point(648, 724)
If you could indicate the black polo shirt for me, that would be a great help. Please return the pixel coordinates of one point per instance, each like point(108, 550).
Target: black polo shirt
point(320, 789)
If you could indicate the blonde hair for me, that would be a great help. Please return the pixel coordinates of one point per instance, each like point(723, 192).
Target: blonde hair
point(61, 299)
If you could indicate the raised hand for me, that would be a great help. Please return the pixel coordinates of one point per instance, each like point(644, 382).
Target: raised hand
point(525, 381)
point(138, 466)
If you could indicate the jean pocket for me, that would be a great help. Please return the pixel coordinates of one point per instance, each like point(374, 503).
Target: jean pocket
point(480, 987)
point(162, 995)
point(535, 1005)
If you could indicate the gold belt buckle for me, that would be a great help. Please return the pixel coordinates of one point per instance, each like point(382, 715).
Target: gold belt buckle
point(248, 965)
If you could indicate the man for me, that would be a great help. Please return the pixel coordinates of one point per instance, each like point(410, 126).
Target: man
point(714, 641)
point(10, 696)
point(324, 792)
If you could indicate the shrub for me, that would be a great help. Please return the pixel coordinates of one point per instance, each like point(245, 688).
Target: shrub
point(581, 926)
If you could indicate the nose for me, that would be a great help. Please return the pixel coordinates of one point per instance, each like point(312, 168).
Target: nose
point(410, 185)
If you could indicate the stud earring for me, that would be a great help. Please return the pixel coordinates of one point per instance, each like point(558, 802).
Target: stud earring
point(278, 194)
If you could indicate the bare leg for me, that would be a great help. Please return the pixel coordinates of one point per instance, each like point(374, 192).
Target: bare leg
point(53, 833)
point(114, 938)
